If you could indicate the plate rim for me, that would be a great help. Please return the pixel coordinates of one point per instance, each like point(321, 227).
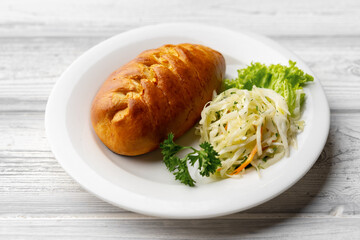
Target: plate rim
point(84, 180)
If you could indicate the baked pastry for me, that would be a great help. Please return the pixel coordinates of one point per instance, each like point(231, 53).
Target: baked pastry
point(160, 91)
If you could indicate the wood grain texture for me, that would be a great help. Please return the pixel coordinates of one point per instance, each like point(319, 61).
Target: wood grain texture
point(30, 67)
point(40, 39)
point(106, 17)
point(127, 228)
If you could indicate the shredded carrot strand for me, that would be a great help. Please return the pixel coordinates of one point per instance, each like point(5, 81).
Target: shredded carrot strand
point(249, 159)
point(247, 162)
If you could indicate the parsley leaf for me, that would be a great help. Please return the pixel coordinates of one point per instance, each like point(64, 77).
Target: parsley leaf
point(207, 158)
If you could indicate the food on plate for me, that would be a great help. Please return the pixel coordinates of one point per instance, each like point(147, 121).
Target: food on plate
point(248, 127)
point(162, 90)
point(252, 123)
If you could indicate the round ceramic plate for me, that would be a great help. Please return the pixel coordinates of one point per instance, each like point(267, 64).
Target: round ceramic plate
point(143, 184)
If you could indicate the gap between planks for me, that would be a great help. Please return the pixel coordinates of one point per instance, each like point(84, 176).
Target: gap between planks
point(136, 216)
point(104, 35)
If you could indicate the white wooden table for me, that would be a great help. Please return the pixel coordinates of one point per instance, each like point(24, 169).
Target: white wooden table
point(39, 39)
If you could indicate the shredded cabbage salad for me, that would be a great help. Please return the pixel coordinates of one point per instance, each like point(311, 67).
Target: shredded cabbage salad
point(249, 128)
point(252, 123)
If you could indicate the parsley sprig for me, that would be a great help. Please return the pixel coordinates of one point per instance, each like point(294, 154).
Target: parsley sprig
point(207, 158)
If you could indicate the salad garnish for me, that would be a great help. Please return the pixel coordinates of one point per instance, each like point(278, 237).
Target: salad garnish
point(253, 122)
point(245, 127)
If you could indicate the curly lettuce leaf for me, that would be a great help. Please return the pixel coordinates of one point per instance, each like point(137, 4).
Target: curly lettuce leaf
point(284, 80)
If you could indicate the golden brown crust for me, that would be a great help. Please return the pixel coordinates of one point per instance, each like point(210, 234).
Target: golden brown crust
point(162, 90)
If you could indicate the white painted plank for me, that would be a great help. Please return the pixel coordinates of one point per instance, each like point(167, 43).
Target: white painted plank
point(30, 67)
point(290, 227)
point(106, 17)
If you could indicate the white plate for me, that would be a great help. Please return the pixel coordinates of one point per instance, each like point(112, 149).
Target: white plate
point(142, 184)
